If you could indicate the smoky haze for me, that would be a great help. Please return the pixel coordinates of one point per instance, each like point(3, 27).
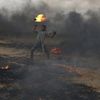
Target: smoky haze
point(15, 6)
point(77, 20)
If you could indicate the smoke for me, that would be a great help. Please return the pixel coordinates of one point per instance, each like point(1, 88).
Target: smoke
point(77, 20)
point(50, 8)
point(77, 5)
point(81, 6)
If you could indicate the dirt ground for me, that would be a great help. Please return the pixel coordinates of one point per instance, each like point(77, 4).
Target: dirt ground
point(68, 77)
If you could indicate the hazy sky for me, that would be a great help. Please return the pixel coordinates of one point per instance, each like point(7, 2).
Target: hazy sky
point(82, 6)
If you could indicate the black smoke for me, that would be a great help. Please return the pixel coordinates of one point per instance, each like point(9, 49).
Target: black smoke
point(79, 34)
point(82, 35)
point(18, 24)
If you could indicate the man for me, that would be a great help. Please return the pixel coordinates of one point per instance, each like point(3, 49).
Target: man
point(40, 40)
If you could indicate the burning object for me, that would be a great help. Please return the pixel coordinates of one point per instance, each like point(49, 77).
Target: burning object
point(40, 18)
point(56, 51)
point(11, 71)
point(5, 67)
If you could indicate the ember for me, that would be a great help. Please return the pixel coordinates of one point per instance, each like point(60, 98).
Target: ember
point(5, 67)
point(56, 51)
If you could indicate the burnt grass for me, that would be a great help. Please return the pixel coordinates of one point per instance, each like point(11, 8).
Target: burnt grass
point(37, 81)
point(68, 92)
point(28, 81)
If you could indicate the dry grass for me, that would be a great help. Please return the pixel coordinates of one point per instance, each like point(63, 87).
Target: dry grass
point(85, 76)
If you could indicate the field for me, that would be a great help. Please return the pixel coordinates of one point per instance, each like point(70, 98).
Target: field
point(68, 76)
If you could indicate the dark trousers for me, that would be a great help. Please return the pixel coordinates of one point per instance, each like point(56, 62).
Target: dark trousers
point(41, 46)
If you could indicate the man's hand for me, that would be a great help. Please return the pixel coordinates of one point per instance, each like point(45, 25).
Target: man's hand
point(53, 34)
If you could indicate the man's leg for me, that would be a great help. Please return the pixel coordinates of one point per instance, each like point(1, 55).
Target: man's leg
point(33, 50)
point(46, 51)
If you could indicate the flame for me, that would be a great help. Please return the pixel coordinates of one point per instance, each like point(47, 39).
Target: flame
point(5, 68)
point(56, 51)
point(40, 18)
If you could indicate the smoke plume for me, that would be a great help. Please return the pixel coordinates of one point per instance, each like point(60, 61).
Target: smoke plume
point(15, 6)
point(77, 20)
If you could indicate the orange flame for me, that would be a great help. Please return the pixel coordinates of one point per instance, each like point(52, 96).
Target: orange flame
point(40, 18)
point(56, 51)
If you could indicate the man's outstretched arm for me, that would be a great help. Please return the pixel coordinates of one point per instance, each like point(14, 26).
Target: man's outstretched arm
point(51, 34)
